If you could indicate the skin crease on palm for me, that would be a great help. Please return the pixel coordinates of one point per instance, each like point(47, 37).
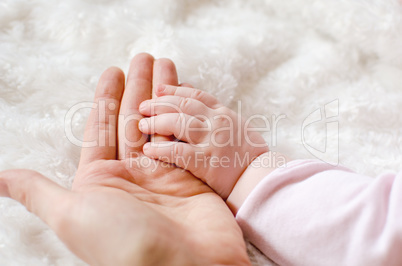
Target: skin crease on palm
point(118, 213)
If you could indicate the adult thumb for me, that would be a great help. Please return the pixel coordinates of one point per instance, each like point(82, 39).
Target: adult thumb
point(36, 192)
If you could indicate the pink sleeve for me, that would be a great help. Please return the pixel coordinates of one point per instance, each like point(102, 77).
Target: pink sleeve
point(312, 213)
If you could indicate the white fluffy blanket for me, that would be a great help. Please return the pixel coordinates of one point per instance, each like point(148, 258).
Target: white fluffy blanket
point(282, 59)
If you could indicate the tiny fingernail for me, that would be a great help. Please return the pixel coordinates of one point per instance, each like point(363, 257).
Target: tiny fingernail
point(142, 125)
point(146, 146)
point(142, 106)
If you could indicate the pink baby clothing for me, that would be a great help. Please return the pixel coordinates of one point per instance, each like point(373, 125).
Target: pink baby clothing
point(312, 213)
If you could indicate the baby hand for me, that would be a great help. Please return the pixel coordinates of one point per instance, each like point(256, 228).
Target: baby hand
point(216, 145)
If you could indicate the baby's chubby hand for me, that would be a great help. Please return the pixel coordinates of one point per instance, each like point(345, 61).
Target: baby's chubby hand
point(213, 142)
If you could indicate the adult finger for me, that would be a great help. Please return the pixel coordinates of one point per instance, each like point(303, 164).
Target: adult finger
point(37, 193)
point(164, 73)
point(138, 89)
point(189, 92)
point(100, 132)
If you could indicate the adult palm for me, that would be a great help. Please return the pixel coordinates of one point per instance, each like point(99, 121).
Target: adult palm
point(124, 208)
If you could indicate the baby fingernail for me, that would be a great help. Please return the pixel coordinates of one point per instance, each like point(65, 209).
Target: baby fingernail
point(146, 146)
point(143, 125)
point(143, 106)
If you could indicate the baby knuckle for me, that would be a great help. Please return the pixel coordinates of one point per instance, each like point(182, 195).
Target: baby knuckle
point(184, 104)
point(179, 122)
point(222, 121)
point(197, 94)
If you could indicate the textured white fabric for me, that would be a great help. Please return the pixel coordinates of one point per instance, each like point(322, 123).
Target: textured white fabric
point(278, 57)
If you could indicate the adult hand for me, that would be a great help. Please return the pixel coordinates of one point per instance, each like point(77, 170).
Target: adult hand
point(124, 208)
